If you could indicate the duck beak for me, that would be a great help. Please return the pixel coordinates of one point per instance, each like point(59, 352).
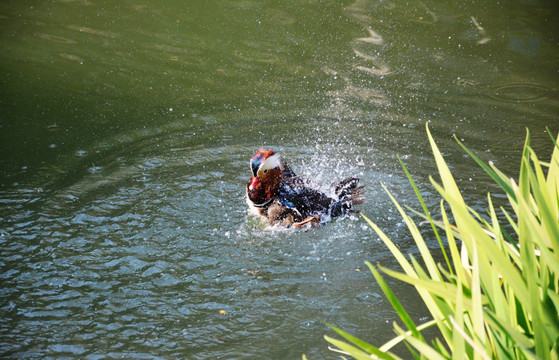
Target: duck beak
point(254, 183)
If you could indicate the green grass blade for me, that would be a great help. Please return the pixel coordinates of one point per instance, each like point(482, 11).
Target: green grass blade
point(553, 174)
point(551, 259)
point(555, 299)
point(361, 344)
point(530, 233)
point(439, 346)
point(500, 179)
point(464, 221)
point(477, 306)
point(402, 313)
point(458, 342)
point(444, 172)
point(408, 269)
point(398, 339)
point(427, 351)
point(437, 288)
point(546, 206)
point(354, 351)
point(478, 351)
point(427, 212)
point(455, 254)
point(505, 328)
point(419, 241)
point(393, 248)
point(497, 298)
point(499, 262)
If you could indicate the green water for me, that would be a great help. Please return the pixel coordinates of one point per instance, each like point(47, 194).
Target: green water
point(125, 133)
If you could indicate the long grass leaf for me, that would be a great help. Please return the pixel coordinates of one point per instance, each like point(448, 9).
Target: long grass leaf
point(354, 351)
point(500, 179)
point(445, 306)
point(497, 298)
point(554, 298)
point(506, 329)
point(455, 254)
point(499, 261)
point(425, 350)
point(477, 350)
point(427, 212)
point(398, 339)
point(419, 241)
point(437, 288)
point(391, 246)
point(440, 347)
point(547, 213)
point(408, 269)
point(551, 259)
point(553, 174)
point(529, 231)
point(444, 172)
point(360, 343)
point(471, 231)
point(477, 306)
point(454, 198)
point(458, 342)
point(402, 313)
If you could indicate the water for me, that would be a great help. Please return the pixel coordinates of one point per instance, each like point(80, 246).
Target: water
point(126, 130)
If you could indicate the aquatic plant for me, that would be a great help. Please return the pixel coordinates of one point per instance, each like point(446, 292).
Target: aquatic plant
point(497, 297)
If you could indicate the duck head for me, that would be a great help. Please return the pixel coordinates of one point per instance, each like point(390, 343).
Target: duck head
point(266, 168)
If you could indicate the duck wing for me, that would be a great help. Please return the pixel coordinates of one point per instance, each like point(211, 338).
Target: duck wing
point(349, 194)
point(286, 170)
point(295, 193)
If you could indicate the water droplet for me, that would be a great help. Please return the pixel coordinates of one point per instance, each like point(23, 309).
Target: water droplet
point(94, 169)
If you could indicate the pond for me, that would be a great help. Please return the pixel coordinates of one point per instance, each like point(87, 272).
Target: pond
point(126, 128)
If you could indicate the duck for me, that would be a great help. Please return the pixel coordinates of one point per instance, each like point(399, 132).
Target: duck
point(285, 199)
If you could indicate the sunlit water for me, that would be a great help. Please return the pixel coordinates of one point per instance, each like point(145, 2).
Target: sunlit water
point(126, 131)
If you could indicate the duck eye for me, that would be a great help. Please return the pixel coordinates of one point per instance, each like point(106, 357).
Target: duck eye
point(265, 171)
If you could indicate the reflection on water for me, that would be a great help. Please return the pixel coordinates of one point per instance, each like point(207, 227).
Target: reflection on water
point(377, 68)
point(126, 130)
point(373, 38)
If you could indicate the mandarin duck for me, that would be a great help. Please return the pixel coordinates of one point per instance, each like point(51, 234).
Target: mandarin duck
point(285, 199)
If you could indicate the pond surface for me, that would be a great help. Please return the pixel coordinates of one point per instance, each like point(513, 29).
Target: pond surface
point(126, 128)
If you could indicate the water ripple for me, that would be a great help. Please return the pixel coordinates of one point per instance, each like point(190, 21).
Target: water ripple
point(518, 93)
